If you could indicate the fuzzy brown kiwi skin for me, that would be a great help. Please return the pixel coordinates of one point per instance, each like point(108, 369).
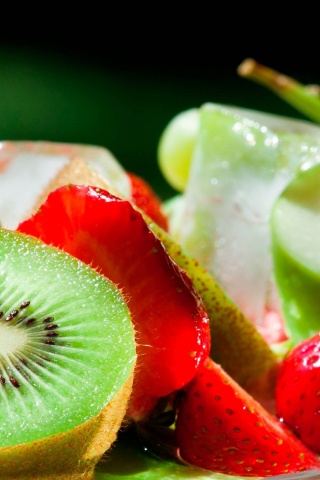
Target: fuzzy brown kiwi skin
point(70, 455)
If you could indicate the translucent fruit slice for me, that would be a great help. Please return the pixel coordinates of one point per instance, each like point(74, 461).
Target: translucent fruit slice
point(295, 225)
point(177, 141)
point(173, 334)
point(67, 353)
point(239, 167)
point(28, 170)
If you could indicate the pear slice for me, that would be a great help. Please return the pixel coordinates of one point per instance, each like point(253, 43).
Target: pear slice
point(236, 343)
point(295, 226)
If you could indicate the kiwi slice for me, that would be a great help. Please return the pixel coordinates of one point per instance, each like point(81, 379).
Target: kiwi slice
point(67, 354)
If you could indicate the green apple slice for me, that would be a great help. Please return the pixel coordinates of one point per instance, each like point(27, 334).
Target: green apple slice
point(295, 225)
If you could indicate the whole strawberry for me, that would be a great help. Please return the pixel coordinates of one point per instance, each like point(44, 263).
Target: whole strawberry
point(220, 427)
point(298, 391)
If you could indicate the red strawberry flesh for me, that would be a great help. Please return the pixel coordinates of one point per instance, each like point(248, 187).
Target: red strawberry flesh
point(144, 197)
point(220, 427)
point(170, 320)
point(298, 391)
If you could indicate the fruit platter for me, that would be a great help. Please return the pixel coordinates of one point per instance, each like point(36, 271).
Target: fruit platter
point(143, 338)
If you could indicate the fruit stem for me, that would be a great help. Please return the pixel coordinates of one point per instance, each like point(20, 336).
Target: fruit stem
point(305, 98)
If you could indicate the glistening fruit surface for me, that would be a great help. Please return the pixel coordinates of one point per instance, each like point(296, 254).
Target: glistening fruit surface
point(69, 348)
point(173, 335)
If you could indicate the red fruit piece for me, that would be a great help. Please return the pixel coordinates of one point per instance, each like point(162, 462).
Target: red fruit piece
point(298, 391)
point(144, 197)
point(220, 427)
point(170, 320)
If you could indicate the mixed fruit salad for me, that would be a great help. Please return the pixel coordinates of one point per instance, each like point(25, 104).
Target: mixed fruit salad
point(221, 283)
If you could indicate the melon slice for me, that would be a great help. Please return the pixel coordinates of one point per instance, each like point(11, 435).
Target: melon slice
point(28, 171)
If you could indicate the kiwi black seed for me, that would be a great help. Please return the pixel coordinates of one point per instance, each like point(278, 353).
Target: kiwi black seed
point(48, 335)
point(66, 340)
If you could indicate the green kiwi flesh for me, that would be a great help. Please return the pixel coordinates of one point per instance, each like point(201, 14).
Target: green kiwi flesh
point(67, 354)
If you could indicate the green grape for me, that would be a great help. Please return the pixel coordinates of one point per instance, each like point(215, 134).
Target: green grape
point(295, 226)
point(176, 146)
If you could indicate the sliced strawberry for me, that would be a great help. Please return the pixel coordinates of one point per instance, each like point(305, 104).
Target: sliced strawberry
point(144, 197)
point(220, 427)
point(298, 391)
point(171, 322)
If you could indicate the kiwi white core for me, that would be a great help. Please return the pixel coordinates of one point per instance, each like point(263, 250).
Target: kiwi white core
point(11, 340)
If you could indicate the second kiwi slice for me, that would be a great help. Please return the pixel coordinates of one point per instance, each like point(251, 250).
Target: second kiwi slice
point(67, 354)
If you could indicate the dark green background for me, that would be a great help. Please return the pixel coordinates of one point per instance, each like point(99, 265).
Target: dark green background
point(122, 101)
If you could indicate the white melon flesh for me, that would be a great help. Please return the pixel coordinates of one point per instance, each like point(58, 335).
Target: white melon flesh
point(28, 168)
